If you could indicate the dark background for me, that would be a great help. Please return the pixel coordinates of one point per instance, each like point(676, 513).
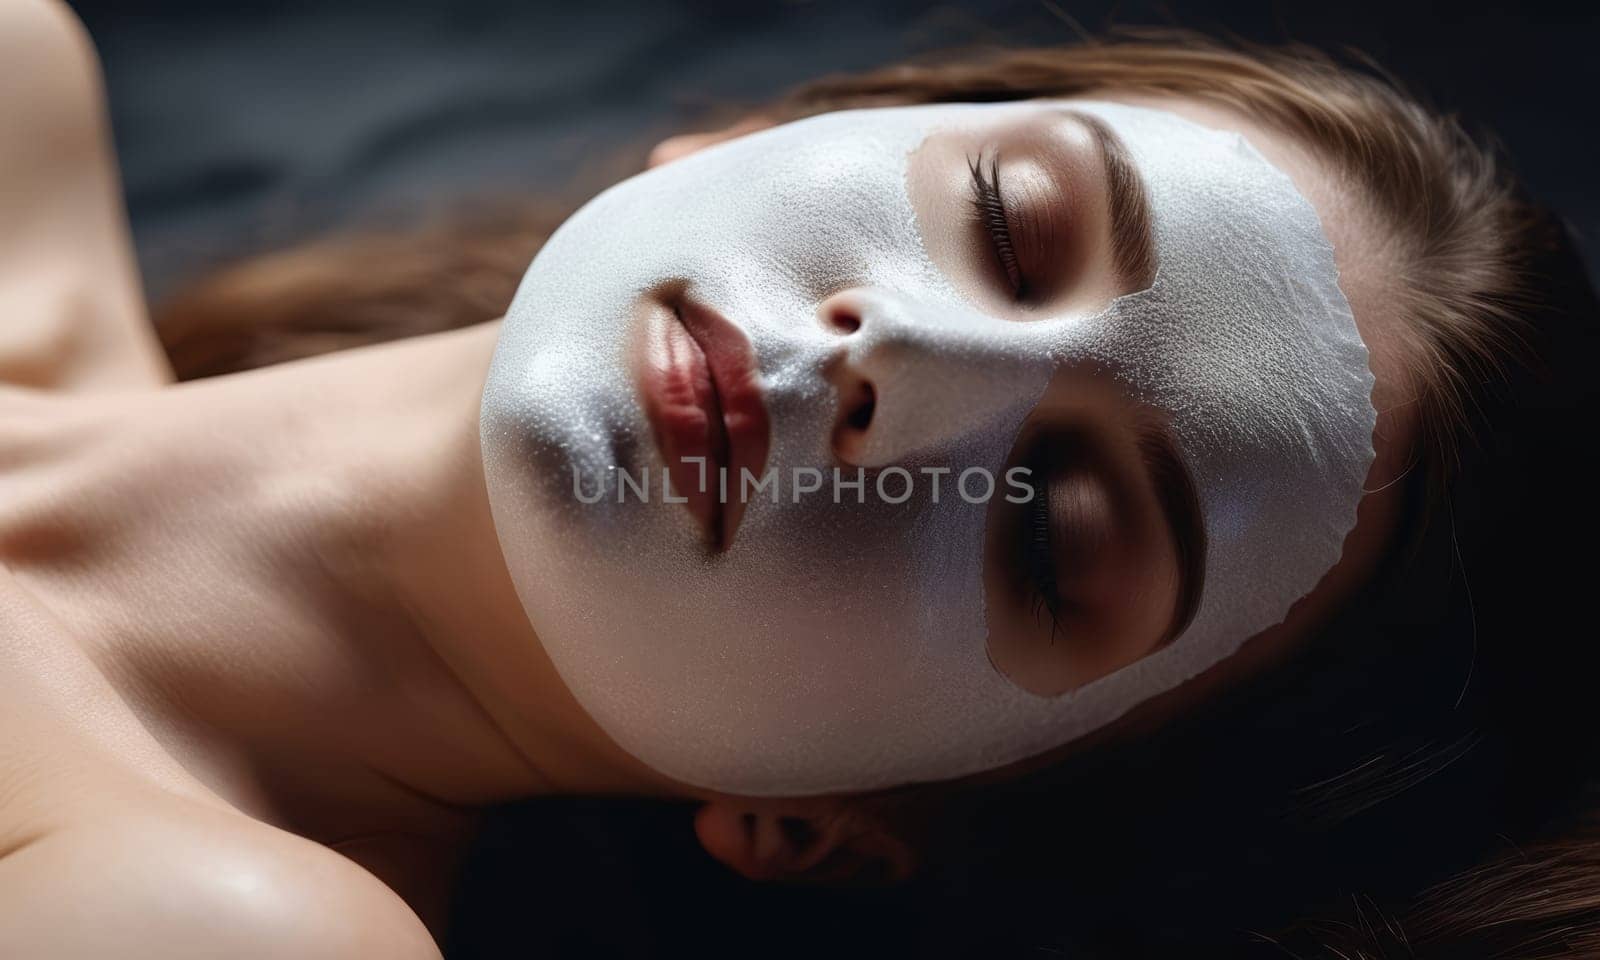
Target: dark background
point(246, 126)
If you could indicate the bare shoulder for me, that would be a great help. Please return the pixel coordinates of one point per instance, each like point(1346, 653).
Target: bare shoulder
point(109, 849)
point(68, 284)
point(51, 114)
point(52, 86)
point(179, 880)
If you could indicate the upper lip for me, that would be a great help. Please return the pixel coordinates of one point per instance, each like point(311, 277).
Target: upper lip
point(700, 387)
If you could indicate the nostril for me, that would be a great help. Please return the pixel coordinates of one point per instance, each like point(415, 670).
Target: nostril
point(840, 319)
point(797, 833)
point(859, 416)
point(859, 403)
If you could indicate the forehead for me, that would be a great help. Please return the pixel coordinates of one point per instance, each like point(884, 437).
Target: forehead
point(1360, 247)
point(1362, 250)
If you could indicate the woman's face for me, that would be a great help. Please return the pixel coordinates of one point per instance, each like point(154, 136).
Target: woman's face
point(1026, 414)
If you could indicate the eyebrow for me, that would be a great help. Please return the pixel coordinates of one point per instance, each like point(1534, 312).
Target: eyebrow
point(1175, 492)
point(1132, 239)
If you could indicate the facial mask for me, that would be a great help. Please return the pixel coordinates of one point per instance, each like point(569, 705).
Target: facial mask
point(841, 646)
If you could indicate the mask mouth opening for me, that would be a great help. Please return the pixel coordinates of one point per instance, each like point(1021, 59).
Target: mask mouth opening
point(697, 379)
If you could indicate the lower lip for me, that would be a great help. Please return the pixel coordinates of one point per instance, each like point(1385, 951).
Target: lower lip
point(699, 386)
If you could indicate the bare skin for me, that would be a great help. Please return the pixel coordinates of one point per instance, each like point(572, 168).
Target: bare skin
point(260, 658)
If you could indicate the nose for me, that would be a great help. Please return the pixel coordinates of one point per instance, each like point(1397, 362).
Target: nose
point(912, 376)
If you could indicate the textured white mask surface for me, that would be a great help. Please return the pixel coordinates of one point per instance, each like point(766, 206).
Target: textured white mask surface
point(842, 646)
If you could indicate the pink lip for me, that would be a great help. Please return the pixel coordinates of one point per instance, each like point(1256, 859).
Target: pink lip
point(700, 388)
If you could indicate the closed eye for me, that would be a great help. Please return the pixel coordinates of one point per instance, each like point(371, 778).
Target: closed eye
point(1064, 526)
point(1102, 561)
point(1052, 218)
point(989, 209)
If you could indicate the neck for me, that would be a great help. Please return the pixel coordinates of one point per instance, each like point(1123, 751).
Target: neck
point(315, 614)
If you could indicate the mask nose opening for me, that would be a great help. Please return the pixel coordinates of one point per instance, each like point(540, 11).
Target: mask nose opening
point(858, 398)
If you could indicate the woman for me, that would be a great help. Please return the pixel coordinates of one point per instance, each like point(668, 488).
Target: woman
point(274, 636)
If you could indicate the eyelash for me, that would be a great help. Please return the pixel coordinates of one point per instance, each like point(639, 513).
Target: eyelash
point(989, 210)
point(1039, 565)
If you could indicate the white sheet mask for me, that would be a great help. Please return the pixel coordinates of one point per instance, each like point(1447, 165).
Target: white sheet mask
point(842, 646)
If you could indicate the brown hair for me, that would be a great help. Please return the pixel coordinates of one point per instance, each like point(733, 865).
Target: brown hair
point(1456, 244)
